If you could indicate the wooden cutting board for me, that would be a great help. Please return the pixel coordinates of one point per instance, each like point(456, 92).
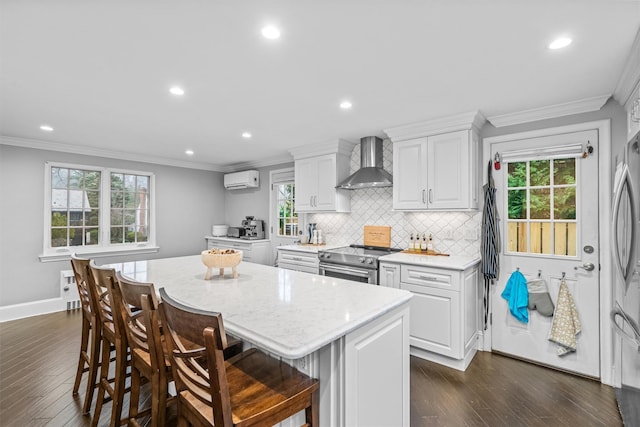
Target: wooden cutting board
point(377, 235)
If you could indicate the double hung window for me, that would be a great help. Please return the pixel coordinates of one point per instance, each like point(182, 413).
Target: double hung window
point(93, 209)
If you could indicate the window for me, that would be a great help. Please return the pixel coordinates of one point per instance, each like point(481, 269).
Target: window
point(541, 207)
point(287, 216)
point(92, 210)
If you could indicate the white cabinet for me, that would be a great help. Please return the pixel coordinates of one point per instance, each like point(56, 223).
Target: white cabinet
point(436, 172)
point(298, 260)
point(389, 275)
point(256, 251)
point(317, 172)
point(444, 313)
point(632, 108)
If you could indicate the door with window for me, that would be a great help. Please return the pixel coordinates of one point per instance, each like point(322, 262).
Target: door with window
point(284, 218)
point(547, 199)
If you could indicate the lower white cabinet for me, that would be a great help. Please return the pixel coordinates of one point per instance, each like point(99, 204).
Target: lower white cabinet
point(389, 275)
point(297, 260)
point(256, 251)
point(444, 310)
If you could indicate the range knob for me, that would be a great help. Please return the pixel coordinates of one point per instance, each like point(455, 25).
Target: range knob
point(361, 259)
point(321, 255)
point(327, 256)
point(369, 260)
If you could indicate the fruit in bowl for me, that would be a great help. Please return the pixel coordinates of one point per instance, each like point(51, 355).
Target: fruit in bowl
point(221, 259)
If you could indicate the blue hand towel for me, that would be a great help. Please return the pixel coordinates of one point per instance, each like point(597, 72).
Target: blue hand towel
point(517, 295)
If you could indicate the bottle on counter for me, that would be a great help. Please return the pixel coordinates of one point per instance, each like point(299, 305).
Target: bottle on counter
point(423, 244)
point(411, 245)
point(430, 243)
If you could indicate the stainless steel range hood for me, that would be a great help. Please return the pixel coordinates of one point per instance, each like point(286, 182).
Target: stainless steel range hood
point(371, 174)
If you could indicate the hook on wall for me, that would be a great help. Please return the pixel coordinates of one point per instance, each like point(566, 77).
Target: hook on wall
point(539, 274)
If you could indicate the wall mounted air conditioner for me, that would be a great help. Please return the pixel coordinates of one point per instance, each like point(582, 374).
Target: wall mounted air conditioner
point(244, 179)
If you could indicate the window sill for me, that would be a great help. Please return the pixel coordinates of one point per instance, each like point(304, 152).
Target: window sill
point(64, 254)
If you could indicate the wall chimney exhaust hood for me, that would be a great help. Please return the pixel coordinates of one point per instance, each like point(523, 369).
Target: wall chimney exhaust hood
point(371, 174)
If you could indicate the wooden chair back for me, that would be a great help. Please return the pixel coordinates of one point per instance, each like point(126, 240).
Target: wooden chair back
point(141, 335)
point(80, 272)
point(99, 279)
point(185, 327)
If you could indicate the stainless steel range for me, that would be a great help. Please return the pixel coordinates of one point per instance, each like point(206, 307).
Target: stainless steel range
point(355, 262)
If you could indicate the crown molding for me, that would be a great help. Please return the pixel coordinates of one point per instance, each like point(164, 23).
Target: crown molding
point(630, 74)
point(272, 161)
point(339, 146)
point(472, 120)
point(99, 152)
point(552, 111)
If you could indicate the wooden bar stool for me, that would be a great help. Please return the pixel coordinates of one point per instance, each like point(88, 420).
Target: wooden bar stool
point(107, 297)
point(250, 389)
point(144, 336)
point(89, 358)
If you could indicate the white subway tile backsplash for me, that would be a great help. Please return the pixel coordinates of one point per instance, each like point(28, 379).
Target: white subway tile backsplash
point(373, 206)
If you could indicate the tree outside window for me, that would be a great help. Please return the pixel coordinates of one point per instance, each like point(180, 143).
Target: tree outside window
point(287, 217)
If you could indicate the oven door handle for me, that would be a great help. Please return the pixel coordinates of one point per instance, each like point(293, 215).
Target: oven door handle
point(347, 270)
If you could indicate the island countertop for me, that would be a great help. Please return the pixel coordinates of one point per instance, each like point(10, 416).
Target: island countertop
point(289, 313)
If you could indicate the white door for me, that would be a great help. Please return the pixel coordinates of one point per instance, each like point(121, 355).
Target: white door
point(283, 217)
point(547, 199)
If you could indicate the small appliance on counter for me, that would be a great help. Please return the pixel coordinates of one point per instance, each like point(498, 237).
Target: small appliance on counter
point(237, 232)
point(253, 228)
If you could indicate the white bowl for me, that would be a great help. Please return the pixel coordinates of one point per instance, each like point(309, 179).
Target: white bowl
point(219, 230)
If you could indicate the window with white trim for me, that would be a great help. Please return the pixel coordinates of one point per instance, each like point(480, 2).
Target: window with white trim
point(92, 209)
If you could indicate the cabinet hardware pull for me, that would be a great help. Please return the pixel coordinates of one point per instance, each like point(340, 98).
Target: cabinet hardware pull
point(430, 195)
point(428, 278)
point(423, 197)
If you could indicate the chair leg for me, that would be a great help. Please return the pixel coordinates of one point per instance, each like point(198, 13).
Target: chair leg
point(94, 364)
point(104, 381)
point(159, 405)
point(119, 383)
point(83, 357)
point(312, 412)
point(134, 397)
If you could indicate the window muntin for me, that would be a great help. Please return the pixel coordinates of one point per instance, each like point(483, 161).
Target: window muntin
point(287, 216)
point(541, 207)
point(94, 209)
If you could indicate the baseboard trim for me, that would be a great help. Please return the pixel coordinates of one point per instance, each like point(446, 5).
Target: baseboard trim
point(29, 309)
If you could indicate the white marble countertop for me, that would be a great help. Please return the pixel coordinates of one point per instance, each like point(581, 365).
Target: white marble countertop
point(308, 248)
point(287, 312)
point(449, 262)
point(237, 239)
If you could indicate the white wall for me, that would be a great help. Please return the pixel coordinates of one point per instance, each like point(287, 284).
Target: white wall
point(188, 202)
point(251, 201)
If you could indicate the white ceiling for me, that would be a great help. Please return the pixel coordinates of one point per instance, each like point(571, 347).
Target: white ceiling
point(99, 71)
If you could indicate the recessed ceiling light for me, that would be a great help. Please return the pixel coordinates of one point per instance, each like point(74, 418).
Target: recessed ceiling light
point(345, 105)
point(46, 128)
point(270, 32)
point(246, 135)
point(177, 90)
point(560, 42)
point(189, 152)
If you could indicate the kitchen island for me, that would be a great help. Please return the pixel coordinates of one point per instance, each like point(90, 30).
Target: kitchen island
point(353, 337)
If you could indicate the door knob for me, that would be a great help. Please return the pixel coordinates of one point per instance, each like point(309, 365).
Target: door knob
point(588, 266)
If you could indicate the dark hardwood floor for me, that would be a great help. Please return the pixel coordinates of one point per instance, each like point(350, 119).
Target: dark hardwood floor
point(38, 359)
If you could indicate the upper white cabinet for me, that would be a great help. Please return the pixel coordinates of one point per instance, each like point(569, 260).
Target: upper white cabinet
point(436, 164)
point(633, 112)
point(318, 169)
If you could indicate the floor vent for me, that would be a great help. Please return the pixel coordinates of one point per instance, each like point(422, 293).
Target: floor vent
point(68, 290)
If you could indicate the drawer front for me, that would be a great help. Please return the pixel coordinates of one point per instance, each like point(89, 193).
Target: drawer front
point(298, 267)
point(298, 258)
point(223, 244)
point(432, 277)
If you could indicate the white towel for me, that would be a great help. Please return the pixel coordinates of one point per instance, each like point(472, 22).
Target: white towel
point(566, 323)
